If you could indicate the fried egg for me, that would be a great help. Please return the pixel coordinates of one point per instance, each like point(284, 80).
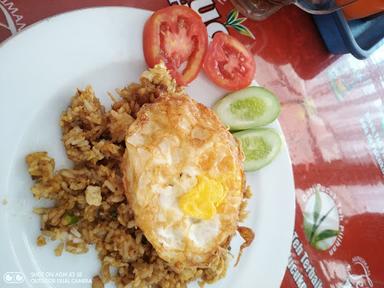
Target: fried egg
point(183, 177)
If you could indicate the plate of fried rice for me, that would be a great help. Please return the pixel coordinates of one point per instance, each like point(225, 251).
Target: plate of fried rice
point(77, 104)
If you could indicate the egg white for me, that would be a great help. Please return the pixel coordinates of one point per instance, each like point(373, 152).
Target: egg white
point(172, 142)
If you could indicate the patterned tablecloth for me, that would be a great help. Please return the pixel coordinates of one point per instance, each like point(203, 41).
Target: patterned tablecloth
point(333, 121)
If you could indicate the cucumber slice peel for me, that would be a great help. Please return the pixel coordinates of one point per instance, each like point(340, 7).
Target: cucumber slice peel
point(248, 108)
point(260, 147)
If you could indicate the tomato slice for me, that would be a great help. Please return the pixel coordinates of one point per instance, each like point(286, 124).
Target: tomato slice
point(228, 63)
point(177, 36)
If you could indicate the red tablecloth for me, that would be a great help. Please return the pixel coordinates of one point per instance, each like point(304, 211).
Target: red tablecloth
point(333, 121)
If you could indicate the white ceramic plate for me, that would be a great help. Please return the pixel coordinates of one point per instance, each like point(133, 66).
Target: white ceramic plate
point(40, 69)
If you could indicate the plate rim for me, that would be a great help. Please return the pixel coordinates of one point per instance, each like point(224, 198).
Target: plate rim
point(79, 10)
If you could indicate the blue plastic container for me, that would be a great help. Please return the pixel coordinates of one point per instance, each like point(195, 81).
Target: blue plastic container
point(358, 37)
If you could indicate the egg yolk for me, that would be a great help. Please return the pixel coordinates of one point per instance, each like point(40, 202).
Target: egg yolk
point(203, 199)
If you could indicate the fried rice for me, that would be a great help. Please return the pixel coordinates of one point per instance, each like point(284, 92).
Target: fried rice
point(89, 202)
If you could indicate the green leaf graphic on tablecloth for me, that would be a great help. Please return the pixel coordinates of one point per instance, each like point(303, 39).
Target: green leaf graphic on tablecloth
point(315, 227)
point(320, 227)
point(234, 21)
point(232, 15)
point(238, 21)
point(307, 228)
point(243, 30)
point(317, 210)
point(325, 234)
point(316, 215)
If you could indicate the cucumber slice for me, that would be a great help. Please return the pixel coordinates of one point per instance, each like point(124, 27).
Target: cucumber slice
point(260, 147)
point(248, 108)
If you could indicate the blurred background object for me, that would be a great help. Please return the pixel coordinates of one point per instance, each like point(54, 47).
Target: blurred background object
point(346, 26)
point(363, 8)
point(357, 29)
point(261, 9)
